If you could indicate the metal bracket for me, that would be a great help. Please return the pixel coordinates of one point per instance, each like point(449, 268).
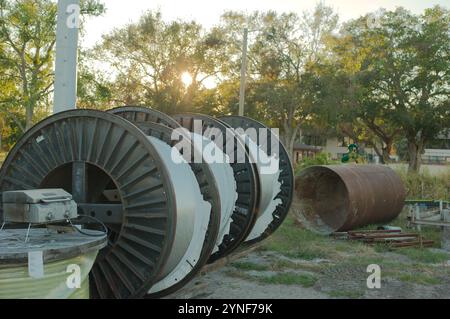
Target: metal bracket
point(107, 213)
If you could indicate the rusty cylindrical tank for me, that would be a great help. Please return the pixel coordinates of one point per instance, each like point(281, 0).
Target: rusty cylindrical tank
point(344, 197)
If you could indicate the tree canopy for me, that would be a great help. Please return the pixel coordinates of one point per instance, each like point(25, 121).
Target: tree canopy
point(381, 79)
point(28, 37)
point(396, 74)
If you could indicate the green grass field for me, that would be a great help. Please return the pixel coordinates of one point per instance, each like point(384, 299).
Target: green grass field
point(297, 256)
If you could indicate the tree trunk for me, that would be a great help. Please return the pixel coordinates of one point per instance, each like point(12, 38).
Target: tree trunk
point(385, 156)
point(290, 136)
point(2, 127)
point(387, 149)
point(378, 152)
point(415, 150)
point(291, 148)
point(29, 118)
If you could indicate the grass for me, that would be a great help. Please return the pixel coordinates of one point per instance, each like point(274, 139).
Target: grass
point(276, 265)
point(250, 266)
point(306, 254)
point(419, 278)
point(352, 294)
point(304, 280)
point(424, 255)
point(365, 260)
point(294, 242)
point(283, 264)
point(301, 248)
point(343, 274)
point(282, 278)
point(240, 274)
point(425, 185)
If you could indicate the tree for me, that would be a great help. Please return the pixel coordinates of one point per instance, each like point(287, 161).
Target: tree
point(283, 48)
point(340, 101)
point(149, 58)
point(28, 29)
point(373, 134)
point(94, 90)
point(398, 70)
point(28, 34)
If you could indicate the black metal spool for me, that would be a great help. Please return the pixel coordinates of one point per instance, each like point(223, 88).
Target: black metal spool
point(146, 119)
point(286, 177)
point(60, 152)
point(137, 114)
point(246, 176)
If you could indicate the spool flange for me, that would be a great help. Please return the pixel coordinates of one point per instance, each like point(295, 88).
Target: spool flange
point(286, 177)
point(245, 174)
point(92, 154)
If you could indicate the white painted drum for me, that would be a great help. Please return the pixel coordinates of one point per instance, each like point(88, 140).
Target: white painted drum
point(269, 173)
point(193, 214)
point(226, 184)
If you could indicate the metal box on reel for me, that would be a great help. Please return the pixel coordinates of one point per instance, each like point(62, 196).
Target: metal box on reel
point(38, 206)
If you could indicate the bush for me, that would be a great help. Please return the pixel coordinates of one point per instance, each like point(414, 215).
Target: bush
point(319, 159)
point(425, 186)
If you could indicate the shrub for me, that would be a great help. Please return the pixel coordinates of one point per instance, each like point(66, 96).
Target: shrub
point(319, 159)
point(425, 185)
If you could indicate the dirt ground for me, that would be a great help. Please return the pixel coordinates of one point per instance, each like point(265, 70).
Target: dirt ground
point(295, 263)
point(338, 281)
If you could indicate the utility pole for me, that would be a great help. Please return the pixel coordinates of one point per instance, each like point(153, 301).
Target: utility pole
point(68, 23)
point(243, 73)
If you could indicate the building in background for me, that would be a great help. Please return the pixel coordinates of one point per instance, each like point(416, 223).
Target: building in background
point(438, 150)
point(334, 146)
point(302, 151)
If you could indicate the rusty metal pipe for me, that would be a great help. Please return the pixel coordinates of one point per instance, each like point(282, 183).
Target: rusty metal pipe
point(344, 197)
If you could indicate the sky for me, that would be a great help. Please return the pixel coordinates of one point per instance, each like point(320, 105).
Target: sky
point(208, 12)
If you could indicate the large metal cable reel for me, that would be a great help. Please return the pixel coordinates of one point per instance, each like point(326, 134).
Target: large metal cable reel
point(286, 177)
point(246, 208)
point(143, 118)
point(87, 152)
